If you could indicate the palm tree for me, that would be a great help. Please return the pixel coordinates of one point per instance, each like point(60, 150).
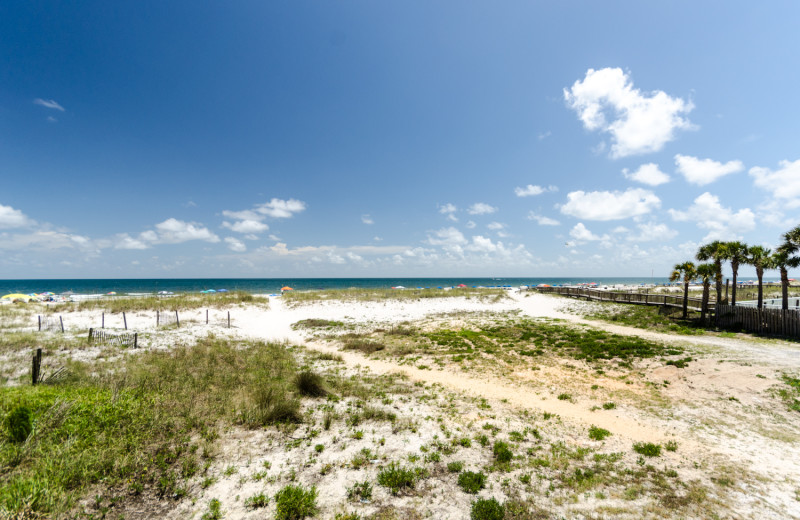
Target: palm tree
point(759, 257)
point(783, 259)
point(688, 272)
point(715, 251)
point(793, 237)
point(706, 272)
point(736, 253)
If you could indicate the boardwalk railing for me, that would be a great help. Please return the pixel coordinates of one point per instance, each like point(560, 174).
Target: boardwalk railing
point(666, 300)
point(123, 339)
point(777, 322)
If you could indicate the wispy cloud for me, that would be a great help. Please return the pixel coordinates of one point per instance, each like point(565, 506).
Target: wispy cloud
point(366, 219)
point(532, 189)
point(481, 208)
point(49, 103)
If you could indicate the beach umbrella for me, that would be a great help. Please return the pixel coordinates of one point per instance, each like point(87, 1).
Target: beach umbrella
point(286, 288)
point(16, 296)
point(112, 293)
point(223, 290)
point(398, 287)
point(461, 285)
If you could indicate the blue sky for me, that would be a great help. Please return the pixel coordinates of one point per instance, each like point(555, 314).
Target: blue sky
point(177, 139)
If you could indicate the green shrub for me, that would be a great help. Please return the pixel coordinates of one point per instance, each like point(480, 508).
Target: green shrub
point(609, 406)
point(214, 510)
point(396, 478)
point(19, 424)
point(648, 449)
point(564, 397)
point(671, 446)
point(471, 482)
point(295, 503)
point(360, 491)
point(256, 501)
point(455, 467)
point(487, 509)
point(598, 434)
point(310, 384)
point(502, 453)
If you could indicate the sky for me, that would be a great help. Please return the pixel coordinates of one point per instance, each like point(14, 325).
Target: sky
point(383, 139)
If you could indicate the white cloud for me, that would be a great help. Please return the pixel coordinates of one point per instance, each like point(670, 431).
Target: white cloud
point(278, 208)
point(243, 215)
point(652, 231)
point(234, 244)
point(579, 232)
point(366, 219)
point(246, 226)
point(544, 135)
point(470, 224)
point(495, 226)
point(541, 220)
point(705, 171)
point(174, 231)
point(532, 189)
point(49, 103)
point(12, 218)
point(784, 183)
point(606, 205)
point(125, 241)
point(722, 223)
point(647, 174)
point(638, 122)
point(449, 210)
point(481, 208)
point(446, 237)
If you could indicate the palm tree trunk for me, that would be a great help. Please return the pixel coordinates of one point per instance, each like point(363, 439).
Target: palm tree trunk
point(704, 305)
point(735, 268)
point(685, 299)
point(718, 265)
point(785, 287)
point(760, 274)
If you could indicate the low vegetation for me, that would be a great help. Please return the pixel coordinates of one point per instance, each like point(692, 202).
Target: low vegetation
point(177, 302)
point(373, 295)
point(147, 425)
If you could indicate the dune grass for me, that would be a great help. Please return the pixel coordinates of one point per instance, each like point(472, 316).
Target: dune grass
point(145, 425)
point(177, 302)
point(647, 317)
point(373, 295)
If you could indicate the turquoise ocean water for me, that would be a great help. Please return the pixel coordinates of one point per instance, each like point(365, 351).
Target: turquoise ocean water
point(272, 285)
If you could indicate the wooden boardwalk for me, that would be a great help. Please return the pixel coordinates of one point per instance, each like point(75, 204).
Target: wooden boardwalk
point(664, 300)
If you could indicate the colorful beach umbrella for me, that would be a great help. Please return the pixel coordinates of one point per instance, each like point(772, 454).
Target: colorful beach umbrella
point(286, 288)
point(16, 296)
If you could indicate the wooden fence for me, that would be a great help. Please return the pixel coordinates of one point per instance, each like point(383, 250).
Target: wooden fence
point(768, 321)
point(123, 339)
point(666, 300)
point(51, 323)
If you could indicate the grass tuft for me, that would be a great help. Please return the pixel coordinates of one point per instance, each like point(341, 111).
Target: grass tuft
point(295, 503)
point(471, 482)
point(310, 384)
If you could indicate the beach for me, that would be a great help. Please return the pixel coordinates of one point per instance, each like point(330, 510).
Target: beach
point(439, 403)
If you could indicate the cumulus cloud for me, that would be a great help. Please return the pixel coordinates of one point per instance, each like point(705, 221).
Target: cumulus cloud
point(366, 219)
point(607, 205)
point(470, 224)
point(705, 171)
point(541, 220)
point(652, 231)
point(580, 232)
point(481, 208)
point(48, 103)
point(278, 208)
point(496, 226)
point(174, 231)
point(234, 244)
point(446, 237)
point(647, 174)
point(606, 101)
point(449, 210)
point(532, 189)
point(722, 223)
point(12, 218)
point(783, 183)
point(246, 226)
point(125, 241)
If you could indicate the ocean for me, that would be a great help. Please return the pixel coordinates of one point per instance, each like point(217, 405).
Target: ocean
point(272, 285)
